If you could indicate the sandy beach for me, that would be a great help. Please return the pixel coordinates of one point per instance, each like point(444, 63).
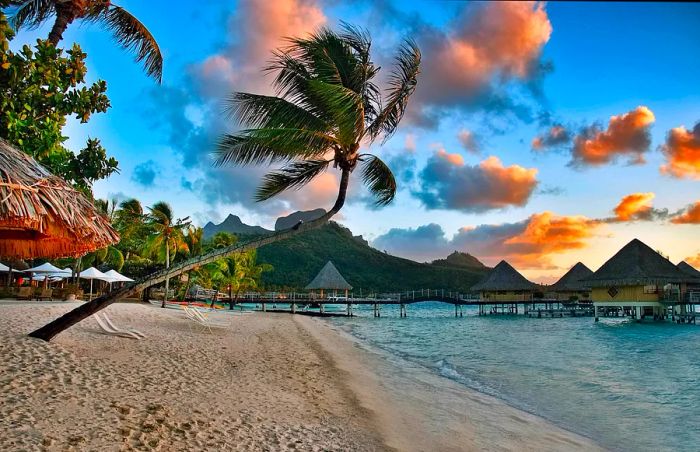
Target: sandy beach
point(266, 382)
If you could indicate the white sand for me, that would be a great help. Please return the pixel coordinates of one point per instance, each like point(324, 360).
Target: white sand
point(265, 383)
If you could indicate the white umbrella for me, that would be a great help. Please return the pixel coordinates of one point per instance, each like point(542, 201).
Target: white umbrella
point(45, 269)
point(93, 273)
point(117, 277)
point(4, 268)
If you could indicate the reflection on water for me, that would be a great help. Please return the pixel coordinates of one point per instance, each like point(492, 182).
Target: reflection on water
point(629, 386)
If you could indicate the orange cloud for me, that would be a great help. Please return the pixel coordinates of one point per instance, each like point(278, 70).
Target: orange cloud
point(636, 206)
point(547, 234)
point(258, 28)
point(682, 150)
point(555, 136)
point(626, 135)
point(469, 141)
point(448, 183)
point(690, 216)
point(693, 260)
point(487, 40)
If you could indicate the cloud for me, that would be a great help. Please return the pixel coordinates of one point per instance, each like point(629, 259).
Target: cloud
point(487, 46)
point(145, 173)
point(682, 151)
point(410, 143)
point(469, 141)
point(690, 215)
point(636, 206)
point(424, 242)
point(555, 136)
point(528, 244)
point(693, 260)
point(447, 182)
point(626, 135)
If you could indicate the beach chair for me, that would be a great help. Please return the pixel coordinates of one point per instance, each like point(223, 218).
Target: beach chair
point(197, 317)
point(109, 323)
point(109, 331)
point(45, 294)
point(25, 293)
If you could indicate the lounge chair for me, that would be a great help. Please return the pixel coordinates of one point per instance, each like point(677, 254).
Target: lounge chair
point(197, 317)
point(25, 293)
point(45, 294)
point(115, 328)
point(107, 330)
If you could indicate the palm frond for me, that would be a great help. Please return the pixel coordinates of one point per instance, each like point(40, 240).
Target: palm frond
point(258, 111)
point(402, 82)
point(379, 179)
point(31, 13)
point(343, 105)
point(131, 35)
point(295, 175)
point(259, 146)
point(162, 212)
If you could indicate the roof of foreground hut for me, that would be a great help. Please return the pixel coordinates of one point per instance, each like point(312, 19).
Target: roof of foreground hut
point(41, 215)
point(329, 278)
point(572, 280)
point(636, 264)
point(504, 277)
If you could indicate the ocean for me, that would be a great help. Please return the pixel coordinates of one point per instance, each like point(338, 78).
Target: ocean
point(629, 386)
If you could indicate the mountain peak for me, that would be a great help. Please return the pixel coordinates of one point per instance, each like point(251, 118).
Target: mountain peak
point(460, 259)
point(233, 225)
point(294, 218)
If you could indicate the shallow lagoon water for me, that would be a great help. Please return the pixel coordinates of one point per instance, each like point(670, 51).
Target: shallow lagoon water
point(627, 385)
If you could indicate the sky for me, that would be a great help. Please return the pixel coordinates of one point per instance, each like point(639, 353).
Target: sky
point(540, 133)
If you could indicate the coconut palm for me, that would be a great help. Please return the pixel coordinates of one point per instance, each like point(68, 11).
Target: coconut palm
point(328, 105)
point(127, 30)
point(130, 222)
point(168, 237)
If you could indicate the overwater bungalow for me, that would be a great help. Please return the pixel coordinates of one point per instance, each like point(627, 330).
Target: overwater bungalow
point(329, 279)
point(504, 286)
point(571, 287)
point(693, 287)
point(638, 282)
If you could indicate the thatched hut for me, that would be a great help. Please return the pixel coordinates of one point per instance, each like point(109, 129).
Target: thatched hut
point(639, 281)
point(571, 286)
point(43, 216)
point(329, 278)
point(503, 284)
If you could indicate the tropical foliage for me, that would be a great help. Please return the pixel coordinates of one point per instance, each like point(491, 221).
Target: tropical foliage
point(127, 31)
point(40, 88)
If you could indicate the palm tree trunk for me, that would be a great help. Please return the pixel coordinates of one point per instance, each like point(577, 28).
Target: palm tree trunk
point(187, 287)
point(167, 278)
point(64, 17)
point(50, 330)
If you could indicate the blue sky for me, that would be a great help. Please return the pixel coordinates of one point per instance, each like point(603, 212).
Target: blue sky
point(572, 65)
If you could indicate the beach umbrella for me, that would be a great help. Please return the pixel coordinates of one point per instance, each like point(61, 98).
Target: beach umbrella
point(41, 215)
point(92, 273)
point(117, 277)
point(45, 269)
point(4, 268)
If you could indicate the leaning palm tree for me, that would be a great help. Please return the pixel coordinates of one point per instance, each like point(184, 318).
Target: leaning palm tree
point(168, 237)
point(128, 31)
point(328, 105)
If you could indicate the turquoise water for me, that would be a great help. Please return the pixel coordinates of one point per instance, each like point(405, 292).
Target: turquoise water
point(628, 386)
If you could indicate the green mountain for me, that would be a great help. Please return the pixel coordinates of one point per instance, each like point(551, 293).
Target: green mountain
point(296, 261)
point(461, 260)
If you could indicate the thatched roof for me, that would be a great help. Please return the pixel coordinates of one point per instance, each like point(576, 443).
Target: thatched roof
point(636, 264)
point(504, 277)
point(329, 278)
point(572, 280)
point(688, 270)
point(43, 216)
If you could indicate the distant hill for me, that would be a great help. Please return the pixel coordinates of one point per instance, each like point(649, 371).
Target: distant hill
point(463, 260)
point(294, 218)
point(234, 225)
point(297, 260)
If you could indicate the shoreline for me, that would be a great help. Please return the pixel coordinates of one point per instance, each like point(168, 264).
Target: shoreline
point(415, 415)
point(277, 382)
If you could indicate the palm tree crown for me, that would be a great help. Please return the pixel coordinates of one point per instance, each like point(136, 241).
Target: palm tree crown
point(327, 106)
point(128, 31)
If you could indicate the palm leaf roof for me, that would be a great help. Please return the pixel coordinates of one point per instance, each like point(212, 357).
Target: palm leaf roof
point(41, 215)
point(688, 269)
point(329, 278)
point(572, 280)
point(636, 264)
point(504, 277)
